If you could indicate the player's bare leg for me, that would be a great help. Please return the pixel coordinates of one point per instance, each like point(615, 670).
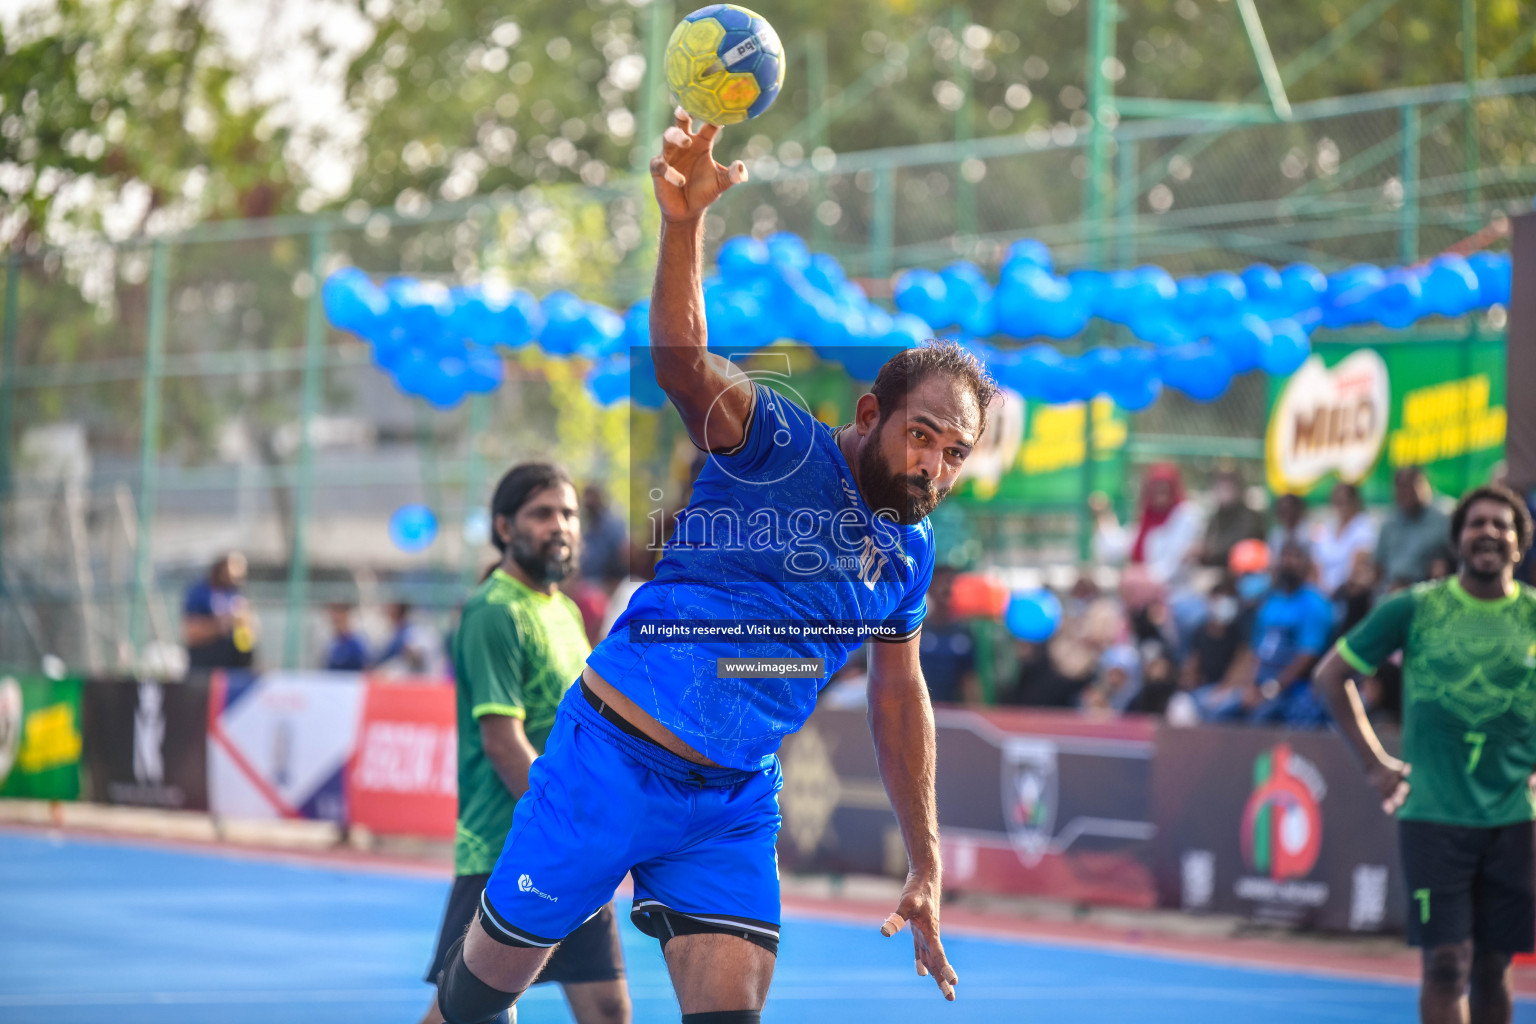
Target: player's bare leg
point(509, 968)
point(1492, 988)
point(598, 1002)
point(712, 973)
point(1447, 973)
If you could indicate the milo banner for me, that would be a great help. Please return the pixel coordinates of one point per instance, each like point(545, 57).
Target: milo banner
point(146, 743)
point(1272, 825)
point(1029, 803)
point(1033, 452)
point(39, 738)
point(1358, 412)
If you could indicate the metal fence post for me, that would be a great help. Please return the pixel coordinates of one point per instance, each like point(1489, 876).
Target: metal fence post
point(882, 224)
point(815, 46)
point(1408, 245)
point(1125, 202)
point(7, 389)
point(149, 441)
point(1101, 47)
point(314, 352)
point(474, 482)
point(653, 114)
point(965, 129)
point(1469, 152)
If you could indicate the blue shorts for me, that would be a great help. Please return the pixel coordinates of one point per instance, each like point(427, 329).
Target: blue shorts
point(700, 842)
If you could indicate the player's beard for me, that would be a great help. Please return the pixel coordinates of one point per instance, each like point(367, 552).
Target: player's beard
point(543, 562)
point(888, 492)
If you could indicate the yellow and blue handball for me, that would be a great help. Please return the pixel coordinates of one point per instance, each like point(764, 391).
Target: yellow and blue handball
point(725, 63)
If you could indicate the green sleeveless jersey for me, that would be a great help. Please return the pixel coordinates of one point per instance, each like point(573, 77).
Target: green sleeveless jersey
point(515, 653)
point(1469, 699)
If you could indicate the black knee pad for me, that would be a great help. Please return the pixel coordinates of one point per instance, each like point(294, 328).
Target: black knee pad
point(725, 1017)
point(463, 998)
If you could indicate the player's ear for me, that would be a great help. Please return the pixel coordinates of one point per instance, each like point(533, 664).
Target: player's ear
point(503, 527)
point(866, 415)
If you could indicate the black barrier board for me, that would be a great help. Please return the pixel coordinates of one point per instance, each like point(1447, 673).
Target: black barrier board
point(1021, 809)
point(146, 743)
point(1273, 825)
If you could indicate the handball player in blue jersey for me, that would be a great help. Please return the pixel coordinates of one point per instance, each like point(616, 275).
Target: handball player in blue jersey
point(800, 543)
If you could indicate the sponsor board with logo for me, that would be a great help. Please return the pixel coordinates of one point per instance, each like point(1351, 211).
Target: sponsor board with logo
point(1273, 825)
point(146, 743)
point(403, 777)
point(39, 737)
point(1358, 412)
point(279, 743)
point(1036, 803)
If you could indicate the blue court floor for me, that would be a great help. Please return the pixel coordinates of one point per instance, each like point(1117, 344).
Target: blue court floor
point(96, 931)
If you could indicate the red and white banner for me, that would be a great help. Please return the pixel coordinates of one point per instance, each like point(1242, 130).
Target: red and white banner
point(403, 777)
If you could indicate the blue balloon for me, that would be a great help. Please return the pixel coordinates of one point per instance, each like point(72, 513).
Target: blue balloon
point(743, 258)
point(1450, 286)
point(637, 326)
point(1494, 272)
point(353, 302)
point(1401, 299)
point(565, 323)
point(1242, 341)
point(514, 318)
point(1351, 295)
point(1288, 347)
point(412, 528)
point(1264, 285)
point(923, 293)
point(1033, 615)
point(1031, 302)
point(1302, 285)
point(608, 381)
point(1030, 251)
point(1200, 371)
point(1225, 294)
point(484, 371)
point(643, 389)
point(787, 251)
point(1137, 395)
point(420, 309)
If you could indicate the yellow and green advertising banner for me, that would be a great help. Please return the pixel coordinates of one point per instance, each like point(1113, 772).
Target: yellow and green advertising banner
point(1033, 453)
point(1359, 412)
point(39, 737)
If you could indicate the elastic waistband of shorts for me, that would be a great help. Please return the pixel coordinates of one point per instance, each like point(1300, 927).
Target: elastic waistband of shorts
point(658, 758)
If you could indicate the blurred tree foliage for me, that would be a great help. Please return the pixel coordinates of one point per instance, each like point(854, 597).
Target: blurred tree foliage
point(467, 96)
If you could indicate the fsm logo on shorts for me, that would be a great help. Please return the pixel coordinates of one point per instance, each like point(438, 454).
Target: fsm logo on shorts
point(525, 884)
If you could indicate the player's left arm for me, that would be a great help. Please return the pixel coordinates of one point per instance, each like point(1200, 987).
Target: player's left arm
point(901, 721)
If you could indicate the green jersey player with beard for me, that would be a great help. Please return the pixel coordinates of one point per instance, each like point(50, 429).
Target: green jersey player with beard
point(519, 646)
point(1462, 790)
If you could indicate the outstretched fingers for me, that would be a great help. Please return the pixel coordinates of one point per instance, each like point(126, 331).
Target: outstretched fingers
point(932, 961)
point(661, 169)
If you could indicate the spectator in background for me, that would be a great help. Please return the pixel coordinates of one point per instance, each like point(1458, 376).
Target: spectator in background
point(1039, 684)
point(1231, 521)
point(945, 647)
point(1159, 685)
point(1270, 684)
point(1214, 648)
point(218, 624)
point(603, 552)
point(1091, 623)
point(1166, 533)
point(347, 652)
point(1290, 525)
point(1342, 540)
point(412, 650)
point(1415, 531)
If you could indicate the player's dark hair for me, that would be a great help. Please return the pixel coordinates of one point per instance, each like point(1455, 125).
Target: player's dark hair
point(910, 367)
point(1493, 492)
point(521, 483)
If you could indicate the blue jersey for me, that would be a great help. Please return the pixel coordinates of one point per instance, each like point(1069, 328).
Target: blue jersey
point(1288, 625)
point(776, 556)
